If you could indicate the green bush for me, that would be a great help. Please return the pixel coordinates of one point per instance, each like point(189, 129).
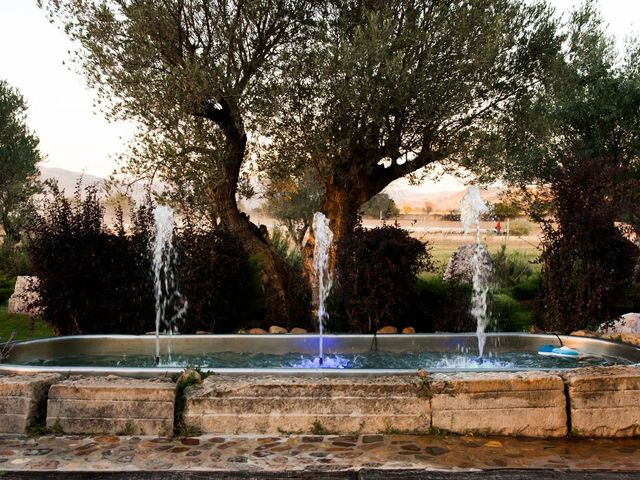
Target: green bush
point(442, 306)
point(7, 284)
point(508, 314)
point(377, 283)
point(281, 242)
point(520, 227)
point(14, 258)
point(511, 269)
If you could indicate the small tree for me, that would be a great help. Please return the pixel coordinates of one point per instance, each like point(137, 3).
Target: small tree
point(587, 262)
point(293, 201)
point(19, 157)
point(380, 205)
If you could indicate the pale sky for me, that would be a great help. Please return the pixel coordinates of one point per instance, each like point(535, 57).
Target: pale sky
point(34, 58)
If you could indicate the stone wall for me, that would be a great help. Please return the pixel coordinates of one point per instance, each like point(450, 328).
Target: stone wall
point(265, 404)
point(604, 401)
point(112, 405)
point(23, 400)
point(530, 404)
point(601, 402)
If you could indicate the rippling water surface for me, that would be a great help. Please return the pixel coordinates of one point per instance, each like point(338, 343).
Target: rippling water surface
point(372, 360)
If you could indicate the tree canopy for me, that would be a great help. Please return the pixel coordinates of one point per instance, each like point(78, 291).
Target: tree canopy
point(589, 108)
point(19, 157)
point(193, 74)
point(388, 87)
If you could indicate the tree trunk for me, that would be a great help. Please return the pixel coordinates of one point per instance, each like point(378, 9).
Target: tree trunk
point(286, 300)
point(340, 204)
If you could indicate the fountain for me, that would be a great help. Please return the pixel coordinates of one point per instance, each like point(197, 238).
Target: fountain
point(324, 276)
point(471, 207)
point(170, 305)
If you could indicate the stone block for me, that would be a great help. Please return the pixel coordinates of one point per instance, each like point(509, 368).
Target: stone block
point(529, 404)
point(604, 401)
point(23, 400)
point(112, 405)
point(264, 404)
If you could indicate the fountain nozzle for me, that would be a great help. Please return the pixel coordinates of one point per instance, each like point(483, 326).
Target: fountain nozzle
point(157, 361)
point(321, 360)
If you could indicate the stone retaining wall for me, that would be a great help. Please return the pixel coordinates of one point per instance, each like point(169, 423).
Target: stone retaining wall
point(23, 400)
point(604, 401)
point(530, 404)
point(601, 402)
point(263, 404)
point(112, 405)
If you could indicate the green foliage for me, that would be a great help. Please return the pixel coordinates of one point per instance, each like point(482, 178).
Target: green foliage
point(377, 281)
point(183, 382)
point(442, 306)
point(510, 269)
point(509, 315)
point(293, 200)
point(381, 206)
point(504, 210)
point(281, 243)
point(92, 280)
point(222, 285)
point(19, 158)
point(587, 262)
point(14, 257)
point(586, 108)
point(363, 105)
point(318, 429)
point(7, 284)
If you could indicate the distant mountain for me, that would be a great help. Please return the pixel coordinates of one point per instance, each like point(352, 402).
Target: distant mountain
point(67, 179)
point(441, 201)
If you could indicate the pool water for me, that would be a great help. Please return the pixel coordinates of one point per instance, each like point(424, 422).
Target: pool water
point(369, 360)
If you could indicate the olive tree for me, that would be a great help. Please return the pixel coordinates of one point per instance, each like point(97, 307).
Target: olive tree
point(193, 74)
point(391, 86)
point(19, 157)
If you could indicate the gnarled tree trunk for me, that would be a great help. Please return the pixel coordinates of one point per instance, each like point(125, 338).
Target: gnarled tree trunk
point(285, 300)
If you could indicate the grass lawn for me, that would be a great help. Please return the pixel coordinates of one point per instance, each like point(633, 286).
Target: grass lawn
point(20, 325)
point(442, 246)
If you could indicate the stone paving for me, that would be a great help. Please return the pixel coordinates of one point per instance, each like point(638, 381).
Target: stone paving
point(314, 453)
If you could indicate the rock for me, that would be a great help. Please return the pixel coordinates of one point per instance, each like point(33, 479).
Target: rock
point(277, 330)
point(203, 332)
point(25, 296)
point(460, 266)
point(408, 330)
point(298, 331)
point(257, 331)
point(627, 323)
point(388, 329)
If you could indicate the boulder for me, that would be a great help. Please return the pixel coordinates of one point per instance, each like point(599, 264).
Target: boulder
point(388, 329)
point(277, 330)
point(257, 331)
point(24, 296)
point(460, 266)
point(298, 331)
point(627, 323)
point(408, 330)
